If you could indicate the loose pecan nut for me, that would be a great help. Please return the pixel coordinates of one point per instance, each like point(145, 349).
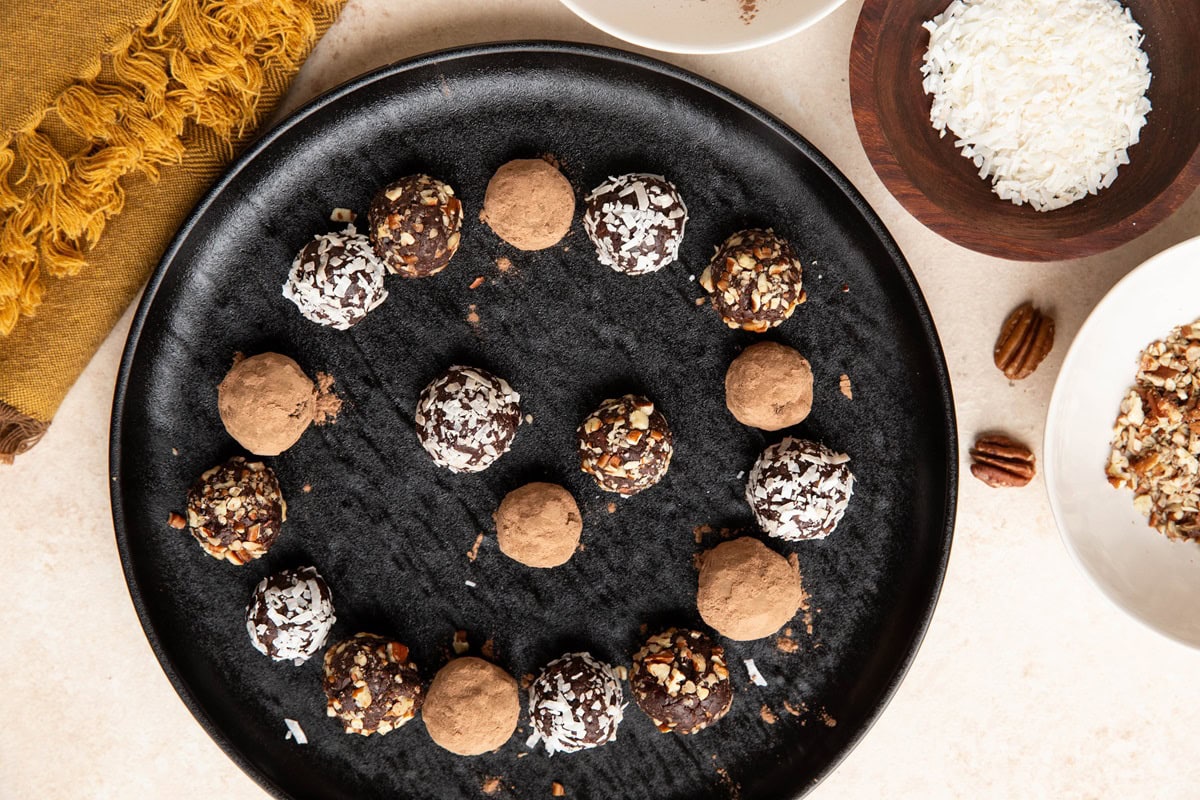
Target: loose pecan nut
point(1002, 462)
point(1025, 339)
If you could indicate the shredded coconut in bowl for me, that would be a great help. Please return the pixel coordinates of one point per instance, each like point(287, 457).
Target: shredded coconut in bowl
point(1044, 96)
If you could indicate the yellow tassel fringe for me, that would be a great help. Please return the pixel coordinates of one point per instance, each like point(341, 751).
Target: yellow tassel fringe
point(197, 61)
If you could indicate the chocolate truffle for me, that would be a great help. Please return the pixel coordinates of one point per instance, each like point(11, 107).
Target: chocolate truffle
point(472, 707)
point(336, 280)
point(625, 445)
point(266, 402)
point(371, 685)
point(538, 524)
point(680, 680)
point(290, 614)
point(235, 510)
point(769, 386)
point(576, 703)
point(747, 591)
point(415, 225)
point(529, 204)
point(799, 489)
point(467, 418)
point(636, 223)
point(754, 280)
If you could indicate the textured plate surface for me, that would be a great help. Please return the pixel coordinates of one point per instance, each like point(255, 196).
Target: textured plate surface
point(391, 532)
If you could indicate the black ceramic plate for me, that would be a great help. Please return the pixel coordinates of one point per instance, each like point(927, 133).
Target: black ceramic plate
point(391, 532)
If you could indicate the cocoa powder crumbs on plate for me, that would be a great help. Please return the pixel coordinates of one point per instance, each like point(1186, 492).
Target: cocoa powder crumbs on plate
point(748, 10)
point(767, 715)
point(329, 405)
point(492, 784)
point(612, 508)
point(829, 721)
point(844, 386)
point(735, 791)
point(307, 488)
point(700, 300)
point(473, 553)
point(793, 710)
point(557, 789)
point(786, 644)
point(473, 315)
point(475, 284)
point(504, 264)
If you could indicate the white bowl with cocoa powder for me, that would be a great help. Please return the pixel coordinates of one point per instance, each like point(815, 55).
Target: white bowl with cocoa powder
point(702, 26)
point(1151, 577)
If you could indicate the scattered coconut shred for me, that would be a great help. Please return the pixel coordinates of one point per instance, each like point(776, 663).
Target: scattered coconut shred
point(1044, 96)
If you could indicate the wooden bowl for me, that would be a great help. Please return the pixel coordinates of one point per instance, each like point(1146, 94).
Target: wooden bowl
point(943, 190)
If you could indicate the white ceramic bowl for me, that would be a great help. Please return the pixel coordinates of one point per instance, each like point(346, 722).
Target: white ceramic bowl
point(700, 26)
point(1154, 579)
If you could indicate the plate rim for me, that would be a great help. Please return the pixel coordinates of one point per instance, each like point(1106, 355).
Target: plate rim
point(682, 48)
point(517, 48)
point(1051, 427)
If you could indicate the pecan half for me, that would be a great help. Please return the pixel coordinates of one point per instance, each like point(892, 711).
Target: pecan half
point(1025, 339)
point(1001, 462)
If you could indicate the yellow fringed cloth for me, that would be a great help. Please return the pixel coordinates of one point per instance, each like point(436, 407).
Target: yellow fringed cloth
point(114, 119)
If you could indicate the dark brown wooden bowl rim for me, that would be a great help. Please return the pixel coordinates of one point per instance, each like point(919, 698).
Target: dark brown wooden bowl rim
point(863, 101)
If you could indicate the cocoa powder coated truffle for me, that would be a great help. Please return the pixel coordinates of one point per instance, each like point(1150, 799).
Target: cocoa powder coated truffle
point(236, 510)
point(466, 418)
point(754, 280)
point(576, 703)
point(747, 591)
point(538, 524)
point(290, 615)
point(636, 223)
point(679, 678)
point(415, 225)
point(266, 402)
point(769, 386)
point(625, 445)
point(472, 707)
point(336, 280)
point(529, 204)
point(370, 684)
point(799, 489)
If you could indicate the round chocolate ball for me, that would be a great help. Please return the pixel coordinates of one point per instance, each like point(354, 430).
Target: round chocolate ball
point(466, 418)
point(290, 615)
point(747, 591)
point(636, 223)
point(415, 225)
point(799, 489)
point(576, 703)
point(538, 524)
point(754, 280)
point(472, 707)
point(529, 204)
point(236, 510)
point(679, 678)
point(625, 445)
point(266, 402)
point(769, 386)
point(371, 685)
point(336, 279)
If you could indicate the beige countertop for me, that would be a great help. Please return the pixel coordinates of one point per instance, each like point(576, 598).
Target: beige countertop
point(1029, 683)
